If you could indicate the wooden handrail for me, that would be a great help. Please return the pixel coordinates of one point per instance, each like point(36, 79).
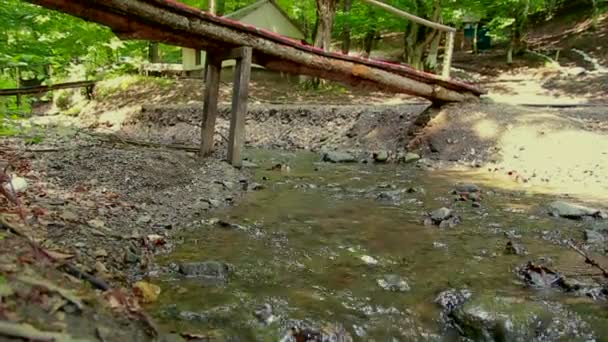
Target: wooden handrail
point(450, 32)
point(45, 88)
point(411, 17)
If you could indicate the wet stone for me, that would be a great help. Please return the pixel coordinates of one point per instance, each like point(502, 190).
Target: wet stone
point(305, 331)
point(440, 214)
point(452, 298)
point(369, 260)
point(380, 156)
point(389, 196)
point(515, 248)
point(466, 188)
point(264, 314)
point(595, 237)
point(393, 282)
point(494, 318)
point(338, 157)
point(540, 276)
point(212, 271)
point(450, 222)
point(410, 157)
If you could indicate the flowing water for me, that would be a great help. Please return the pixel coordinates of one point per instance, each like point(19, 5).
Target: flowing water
point(303, 245)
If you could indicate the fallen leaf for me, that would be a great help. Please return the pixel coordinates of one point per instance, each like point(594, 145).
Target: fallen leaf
point(156, 240)
point(59, 256)
point(146, 292)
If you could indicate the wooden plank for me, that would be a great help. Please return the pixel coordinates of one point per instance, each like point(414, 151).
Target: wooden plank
point(236, 53)
point(411, 17)
point(239, 107)
point(44, 89)
point(213, 66)
point(154, 19)
point(447, 58)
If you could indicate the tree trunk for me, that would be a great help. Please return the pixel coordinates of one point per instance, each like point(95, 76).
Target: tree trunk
point(153, 56)
point(368, 42)
point(595, 15)
point(475, 38)
point(418, 37)
point(517, 45)
point(431, 58)
point(347, 5)
point(326, 11)
point(212, 7)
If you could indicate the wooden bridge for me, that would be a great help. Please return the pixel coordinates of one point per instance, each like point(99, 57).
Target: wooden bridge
point(174, 23)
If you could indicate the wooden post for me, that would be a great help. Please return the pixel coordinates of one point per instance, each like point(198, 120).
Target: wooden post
point(240, 93)
point(447, 56)
point(18, 72)
point(213, 66)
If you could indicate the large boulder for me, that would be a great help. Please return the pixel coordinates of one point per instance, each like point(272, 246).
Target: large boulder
point(495, 318)
point(490, 317)
point(338, 157)
point(573, 211)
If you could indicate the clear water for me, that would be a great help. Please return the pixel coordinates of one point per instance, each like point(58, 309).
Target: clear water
point(302, 252)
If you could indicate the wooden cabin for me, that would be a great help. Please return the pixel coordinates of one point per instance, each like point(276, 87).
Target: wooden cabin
point(264, 14)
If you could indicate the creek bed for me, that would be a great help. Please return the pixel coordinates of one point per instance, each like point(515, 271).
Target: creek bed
point(315, 245)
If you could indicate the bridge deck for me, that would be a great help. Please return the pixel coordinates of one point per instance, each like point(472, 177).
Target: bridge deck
point(175, 23)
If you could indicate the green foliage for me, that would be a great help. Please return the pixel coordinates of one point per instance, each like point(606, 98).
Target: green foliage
point(115, 85)
point(63, 100)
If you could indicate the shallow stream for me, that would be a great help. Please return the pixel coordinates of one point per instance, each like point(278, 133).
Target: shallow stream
point(312, 246)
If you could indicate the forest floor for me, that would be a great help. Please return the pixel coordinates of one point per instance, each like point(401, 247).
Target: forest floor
point(98, 203)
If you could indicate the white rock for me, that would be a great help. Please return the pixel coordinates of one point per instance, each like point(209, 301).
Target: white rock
point(369, 260)
point(19, 184)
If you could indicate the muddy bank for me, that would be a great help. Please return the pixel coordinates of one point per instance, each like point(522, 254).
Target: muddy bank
point(113, 205)
point(550, 150)
point(289, 127)
point(104, 210)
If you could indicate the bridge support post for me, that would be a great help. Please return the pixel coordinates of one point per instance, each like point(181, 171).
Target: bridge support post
point(240, 93)
point(212, 88)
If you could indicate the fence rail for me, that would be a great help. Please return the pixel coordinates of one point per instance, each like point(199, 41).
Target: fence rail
point(46, 88)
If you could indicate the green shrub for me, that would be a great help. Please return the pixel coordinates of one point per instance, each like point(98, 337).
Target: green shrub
point(63, 100)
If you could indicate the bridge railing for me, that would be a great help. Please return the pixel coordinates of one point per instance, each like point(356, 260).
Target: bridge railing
point(450, 32)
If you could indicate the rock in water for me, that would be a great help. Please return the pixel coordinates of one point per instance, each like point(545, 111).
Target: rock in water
point(369, 260)
point(515, 248)
point(338, 157)
point(380, 156)
point(411, 157)
point(450, 299)
point(540, 276)
point(441, 214)
point(594, 237)
point(264, 314)
point(212, 271)
point(466, 188)
point(390, 196)
point(393, 282)
point(572, 210)
point(494, 318)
